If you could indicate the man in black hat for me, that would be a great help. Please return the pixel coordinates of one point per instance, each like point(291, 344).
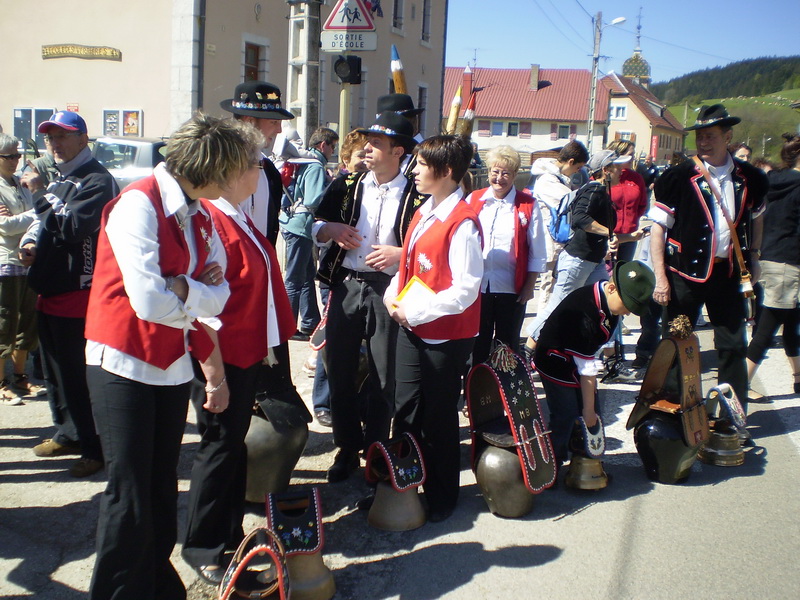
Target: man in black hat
point(360, 226)
point(259, 103)
point(692, 246)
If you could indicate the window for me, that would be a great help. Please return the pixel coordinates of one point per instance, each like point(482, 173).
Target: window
point(619, 113)
point(525, 129)
point(513, 130)
point(497, 128)
point(563, 132)
point(422, 102)
point(483, 127)
point(426, 20)
point(252, 61)
point(397, 14)
point(25, 122)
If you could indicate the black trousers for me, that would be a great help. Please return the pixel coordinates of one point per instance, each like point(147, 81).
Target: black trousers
point(501, 319)
point(771, 319)
point(726, 311)
point(565, 405)
point(428, 389)
point(140, 429)
point(356, 312)
point(64, 356)
point(216, 504)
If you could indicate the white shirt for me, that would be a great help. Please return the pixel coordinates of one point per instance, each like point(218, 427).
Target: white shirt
point(256, 207)
point(464, 258)
point(497, 221)
point(132, 232)
point(379, 205)
point(722, 180)
point(238, 217)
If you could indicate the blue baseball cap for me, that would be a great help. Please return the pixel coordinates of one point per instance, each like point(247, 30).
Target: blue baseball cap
point(69, 121)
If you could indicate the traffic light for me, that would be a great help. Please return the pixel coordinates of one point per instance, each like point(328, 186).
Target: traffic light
point(348, 68)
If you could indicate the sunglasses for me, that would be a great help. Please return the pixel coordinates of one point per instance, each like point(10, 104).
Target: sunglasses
point(11, 156)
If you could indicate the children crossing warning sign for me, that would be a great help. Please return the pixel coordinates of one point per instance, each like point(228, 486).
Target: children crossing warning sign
point(349, 15)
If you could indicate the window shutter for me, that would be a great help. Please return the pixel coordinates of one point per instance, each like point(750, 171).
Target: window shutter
point(554, 131)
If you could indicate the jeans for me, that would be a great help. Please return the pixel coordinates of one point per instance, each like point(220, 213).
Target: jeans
point(573, 273)
point(299, 280)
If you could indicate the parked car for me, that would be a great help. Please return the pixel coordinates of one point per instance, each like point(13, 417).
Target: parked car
point(129, 159)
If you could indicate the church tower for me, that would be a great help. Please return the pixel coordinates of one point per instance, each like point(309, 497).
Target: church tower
point(636, 67)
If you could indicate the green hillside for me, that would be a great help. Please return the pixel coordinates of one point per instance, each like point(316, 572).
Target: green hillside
point(763, 117)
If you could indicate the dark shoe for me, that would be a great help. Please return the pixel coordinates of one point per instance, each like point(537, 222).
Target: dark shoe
point(53, 448)
point(346, 462)
point(300, 337)
point(366, 502)
point(85, 467)
point(797, 383)
point(323, 417)
point(211, 574)
point(23, 386)
point(437, 516)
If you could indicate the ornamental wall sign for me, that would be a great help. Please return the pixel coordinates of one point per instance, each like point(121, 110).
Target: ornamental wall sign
point(80, 51)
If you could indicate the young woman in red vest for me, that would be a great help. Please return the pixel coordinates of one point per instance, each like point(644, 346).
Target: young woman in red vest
point(160, 267)
point(438, 328)
point(257, 323)
point(514, 252)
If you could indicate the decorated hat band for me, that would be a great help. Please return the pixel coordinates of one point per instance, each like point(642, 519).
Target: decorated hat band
point(256, 105)
point(381, 129)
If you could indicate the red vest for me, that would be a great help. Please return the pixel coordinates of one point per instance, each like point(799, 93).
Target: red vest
point(435, 245)
point(243, 335)
point(110, 319)
point(523, 210)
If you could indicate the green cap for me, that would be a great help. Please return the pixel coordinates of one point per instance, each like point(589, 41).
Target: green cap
point(635, 282)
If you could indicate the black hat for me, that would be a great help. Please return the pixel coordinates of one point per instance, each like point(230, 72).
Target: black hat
point(394, 126)
point(257, 99)
point(635, 282)
point(402, 104)
point(716, 114)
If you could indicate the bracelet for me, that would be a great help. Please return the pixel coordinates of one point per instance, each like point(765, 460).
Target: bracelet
point(219, 385)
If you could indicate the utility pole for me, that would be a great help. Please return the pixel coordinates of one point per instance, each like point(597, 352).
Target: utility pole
point(302, 85)
point(598, 25)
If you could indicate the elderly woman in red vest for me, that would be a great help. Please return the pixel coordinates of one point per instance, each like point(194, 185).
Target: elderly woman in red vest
point(439, 314)
point(160, 267)
point(514, 252)
point(257, 323)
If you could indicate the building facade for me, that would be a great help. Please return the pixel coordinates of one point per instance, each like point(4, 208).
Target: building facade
point(143, 68)
point(531, 110)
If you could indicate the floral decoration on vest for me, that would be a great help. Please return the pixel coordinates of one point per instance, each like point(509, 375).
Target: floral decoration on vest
point(424, 263)
point(205, 233)
point(523, 220)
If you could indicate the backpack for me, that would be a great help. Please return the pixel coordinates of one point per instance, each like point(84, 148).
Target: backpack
point(560, 226)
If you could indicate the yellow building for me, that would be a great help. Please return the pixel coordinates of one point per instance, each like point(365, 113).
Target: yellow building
point(141, 68)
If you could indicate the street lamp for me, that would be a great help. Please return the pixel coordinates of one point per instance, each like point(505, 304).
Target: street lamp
point(764, 140)
point(598, 32)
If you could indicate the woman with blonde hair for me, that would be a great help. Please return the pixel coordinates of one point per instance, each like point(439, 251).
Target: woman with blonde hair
point(514, 251)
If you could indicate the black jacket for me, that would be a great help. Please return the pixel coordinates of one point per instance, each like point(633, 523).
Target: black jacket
point(342, 204)
point(578, 326)
point(69, 212)
point(591, 204)
point(275, 195)
point(682, 192)
point(782, 218)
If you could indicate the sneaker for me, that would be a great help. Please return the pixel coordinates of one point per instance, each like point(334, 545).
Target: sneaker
point(84, 467)
point(53, 448)
point(8, 395)
point(23, 386)
point(627, 375)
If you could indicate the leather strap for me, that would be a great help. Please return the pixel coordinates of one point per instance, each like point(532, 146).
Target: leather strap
point(737, 248)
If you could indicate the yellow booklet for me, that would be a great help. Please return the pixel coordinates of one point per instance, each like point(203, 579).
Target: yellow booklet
point(416, 291)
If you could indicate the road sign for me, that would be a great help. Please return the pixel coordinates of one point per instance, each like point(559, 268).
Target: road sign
point(348, 41)
point(349, 15)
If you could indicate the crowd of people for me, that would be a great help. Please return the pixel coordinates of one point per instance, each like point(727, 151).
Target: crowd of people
point(171, 292)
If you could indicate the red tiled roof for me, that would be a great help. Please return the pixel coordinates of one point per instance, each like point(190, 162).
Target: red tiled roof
point(644, 100)
point(507, 94)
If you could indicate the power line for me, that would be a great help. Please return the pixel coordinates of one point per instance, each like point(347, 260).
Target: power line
point(566, 20)
point(566, 37)
point(647, 37)
point(584, 10)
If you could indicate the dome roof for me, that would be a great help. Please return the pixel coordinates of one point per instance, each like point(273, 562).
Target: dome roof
point(636, 66)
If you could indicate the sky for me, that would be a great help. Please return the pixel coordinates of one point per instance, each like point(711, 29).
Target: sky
point(678, 36)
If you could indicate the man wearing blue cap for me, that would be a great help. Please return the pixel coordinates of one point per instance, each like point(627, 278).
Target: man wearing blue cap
point(60, 248)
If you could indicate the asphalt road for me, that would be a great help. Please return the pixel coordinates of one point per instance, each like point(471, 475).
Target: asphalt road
point(727, 533)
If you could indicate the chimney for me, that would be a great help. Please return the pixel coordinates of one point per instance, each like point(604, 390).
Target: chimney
point(534, 84)
point(467, 82)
